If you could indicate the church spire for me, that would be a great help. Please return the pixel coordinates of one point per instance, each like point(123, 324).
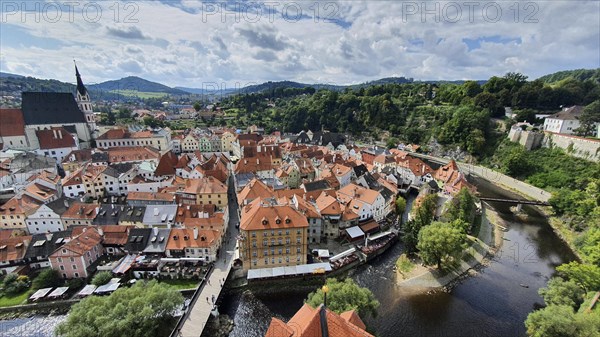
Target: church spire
point(80, 87)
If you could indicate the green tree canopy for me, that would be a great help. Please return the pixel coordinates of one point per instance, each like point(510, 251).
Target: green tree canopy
point(585, 275)
point(589, 119)
point(554, 320)
point(345, 295)
point(101, 278)
point(139, 311)
point(400, 205)
point(439, 242)
point(462, 206)
point(561, 292)
point(48, 278)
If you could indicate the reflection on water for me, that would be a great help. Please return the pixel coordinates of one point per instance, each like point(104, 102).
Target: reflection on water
point(492, 303)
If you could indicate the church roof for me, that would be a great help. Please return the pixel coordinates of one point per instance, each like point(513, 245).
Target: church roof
point(80, 87)
point(50, 108)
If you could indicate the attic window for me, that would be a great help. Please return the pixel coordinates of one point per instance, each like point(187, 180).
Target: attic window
point(278, 220)
point(287, 220)
point(265, 221)
point(203, 238)
point(2, 247)
point(19, 245)
point(185, 237)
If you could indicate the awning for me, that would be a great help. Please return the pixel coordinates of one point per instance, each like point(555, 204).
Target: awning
point(40, 294)
point(370, 227)
point(107, 288)
point(58, 292)
point(125, 264)
point(379, 235)
point(87, 290)
point(314, 268)
point(342, 254)
point(354, 232)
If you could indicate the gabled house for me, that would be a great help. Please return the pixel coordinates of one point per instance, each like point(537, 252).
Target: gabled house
point(12, 253)
point(79, 214)
point(48, 218)
point(73, 259)
point(193, 243)
point(43, 245)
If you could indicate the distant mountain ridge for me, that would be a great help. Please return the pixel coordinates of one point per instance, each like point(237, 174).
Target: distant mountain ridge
point(7, 75)
point(577, 74)
point(134, 83)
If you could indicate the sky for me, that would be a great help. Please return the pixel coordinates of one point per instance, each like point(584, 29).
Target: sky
point(233, 44)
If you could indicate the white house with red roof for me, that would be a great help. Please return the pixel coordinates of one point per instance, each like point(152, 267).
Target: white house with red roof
point(55, 142)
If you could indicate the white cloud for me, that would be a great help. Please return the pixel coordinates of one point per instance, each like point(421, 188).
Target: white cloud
point(333, 42)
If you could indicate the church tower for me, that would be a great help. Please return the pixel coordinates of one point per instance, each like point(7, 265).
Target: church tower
point(84, 102)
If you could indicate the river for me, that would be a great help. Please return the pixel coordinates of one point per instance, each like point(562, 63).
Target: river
point(492, 303)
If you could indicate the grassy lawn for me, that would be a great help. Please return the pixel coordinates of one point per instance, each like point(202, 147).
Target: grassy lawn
point(181, 284)
point(8, 301)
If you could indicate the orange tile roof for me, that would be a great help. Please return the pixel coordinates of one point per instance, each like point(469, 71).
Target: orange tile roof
point(132, 153)
point(215, 221)
point(445, 172)
point(115, 234)
point(358, 192)
point(328, 205)
point(206, 185)
point(262, 214)
point(80, 210)
point(13, 248)
point(150, 196)
point(308, 209)
point(166, 165)
point(254, 189)
point(20, 205)
point(206, 238)
point(307, 323)
point(118, 133)
point(83, 242)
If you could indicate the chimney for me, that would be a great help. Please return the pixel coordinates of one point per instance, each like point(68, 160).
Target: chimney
point(97, 210)
point(100, 231)
point(155, 230)
point(195, 233)
point(54, 133)
point(59, 134)
point(66, 203)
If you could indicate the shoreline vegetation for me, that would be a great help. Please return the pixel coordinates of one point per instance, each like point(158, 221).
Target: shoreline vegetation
point(481, 249)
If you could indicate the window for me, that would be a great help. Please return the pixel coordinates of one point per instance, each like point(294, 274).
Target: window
point(72, 259)
point(298, 250)
point(74, 267)
point(287, 250)
point(62, 267)
point(76, 274)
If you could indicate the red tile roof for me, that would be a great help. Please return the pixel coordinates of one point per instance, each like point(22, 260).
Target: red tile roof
point(261, 214)
point(11, 123)
point(55, 138)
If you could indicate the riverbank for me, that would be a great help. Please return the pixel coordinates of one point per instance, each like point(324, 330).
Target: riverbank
point(482, 248)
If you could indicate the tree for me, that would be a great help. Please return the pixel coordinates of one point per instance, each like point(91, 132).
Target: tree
point(139, 311)
point(101, 278)
point(392, 142)
point(526, 115)
point(197, 106)
point(344, 296)
point(561, 292)
point(554, 320)
point(48, 278)
point(589, 119)
point(439, 242)
point(400, 205)
point(585, 275)
point(462, 206)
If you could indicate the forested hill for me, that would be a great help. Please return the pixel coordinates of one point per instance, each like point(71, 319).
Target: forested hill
point(452, 114)
point(578, 74)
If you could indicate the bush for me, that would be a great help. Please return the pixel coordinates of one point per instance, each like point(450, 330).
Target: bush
point(14, 284)
point(404, 265)
point(48, 278)
point(75, 283)
point(101, 278)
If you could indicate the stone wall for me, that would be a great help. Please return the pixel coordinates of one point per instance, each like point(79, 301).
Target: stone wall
point(576, 146)
point(528, 139)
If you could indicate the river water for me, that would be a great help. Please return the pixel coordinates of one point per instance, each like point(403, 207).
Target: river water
point(492, 303)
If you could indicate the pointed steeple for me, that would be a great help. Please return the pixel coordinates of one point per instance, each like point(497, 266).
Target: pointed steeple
point(80, 87)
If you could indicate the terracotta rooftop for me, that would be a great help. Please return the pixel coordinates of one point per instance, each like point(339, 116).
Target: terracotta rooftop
point(254, 189)
point(13, 248)
point(150, 196)
point(262, 214)
point(20, 205)
point(55, 138)
point(307, 322)
point(79, 210)
point(83, 242)
point(181, 238)
point(11, 123)
point(206, 185)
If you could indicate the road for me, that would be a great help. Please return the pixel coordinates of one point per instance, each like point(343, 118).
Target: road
point(495, 177)
point(199, 311)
